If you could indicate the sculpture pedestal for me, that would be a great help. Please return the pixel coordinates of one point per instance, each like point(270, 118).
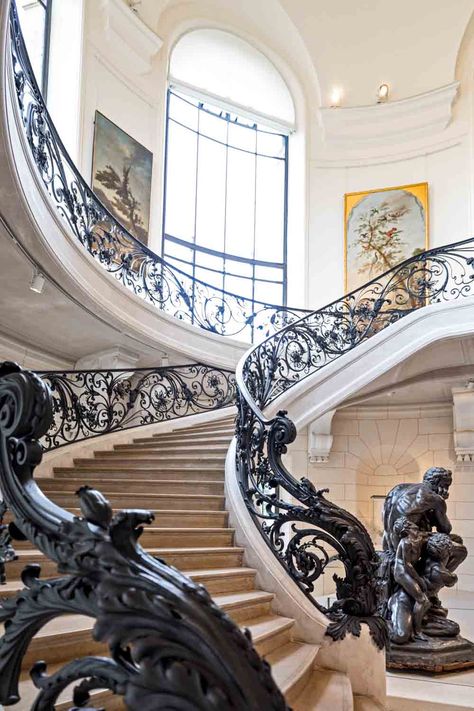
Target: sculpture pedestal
point(433, 655)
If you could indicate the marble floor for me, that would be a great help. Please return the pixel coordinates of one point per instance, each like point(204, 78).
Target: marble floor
point(447, 692)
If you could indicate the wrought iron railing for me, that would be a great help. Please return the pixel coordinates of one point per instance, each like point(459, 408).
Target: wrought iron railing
point(89, 403)
point(308, 536)
point(170, 645)
point(134, 265)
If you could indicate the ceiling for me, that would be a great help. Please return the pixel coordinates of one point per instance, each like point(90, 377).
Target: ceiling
point(352, 45)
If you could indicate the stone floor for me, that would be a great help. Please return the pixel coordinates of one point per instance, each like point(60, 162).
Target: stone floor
point(447, 692)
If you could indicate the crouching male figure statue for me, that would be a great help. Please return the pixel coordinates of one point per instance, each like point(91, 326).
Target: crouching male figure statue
point(420, 555)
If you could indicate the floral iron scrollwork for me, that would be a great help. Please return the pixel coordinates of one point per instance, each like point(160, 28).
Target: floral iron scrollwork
point(89, 403)
point(7, 552)
point(170, 645)
point(309, 535)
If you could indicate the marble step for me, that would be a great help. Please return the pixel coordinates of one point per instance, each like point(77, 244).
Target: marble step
point(70, 636)
point(177, 440)
point(163, 448)
point(365, 703)
point(292, 665)
point(445, 692)
point(152, 501)
point(326, 690)
point(172, 454)
point(134, 464)
point(181, 558)
point(135, 485)
point(173, 538)
point(110, 471)
point(218, 581)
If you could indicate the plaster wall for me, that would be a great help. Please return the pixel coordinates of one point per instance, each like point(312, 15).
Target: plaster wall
point(376, 448)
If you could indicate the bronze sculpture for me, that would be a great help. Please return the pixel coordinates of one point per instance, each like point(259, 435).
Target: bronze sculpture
point(419, 557)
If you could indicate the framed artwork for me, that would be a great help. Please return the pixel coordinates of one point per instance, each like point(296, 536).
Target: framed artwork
point(381, 229)
point(121, 176)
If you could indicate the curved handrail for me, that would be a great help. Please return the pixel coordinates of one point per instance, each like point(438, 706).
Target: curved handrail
point(91, 403)
point(276, 365)
point(132, 263)
point(170, 645)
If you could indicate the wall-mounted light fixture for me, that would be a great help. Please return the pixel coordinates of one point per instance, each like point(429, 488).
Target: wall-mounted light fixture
point(37, 282)
point(336, 97)
point(383, 93)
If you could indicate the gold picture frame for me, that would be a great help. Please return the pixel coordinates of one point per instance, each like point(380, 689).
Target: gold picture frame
point(383, 228)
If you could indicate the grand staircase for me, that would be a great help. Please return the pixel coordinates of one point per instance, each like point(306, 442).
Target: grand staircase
point(180, 476)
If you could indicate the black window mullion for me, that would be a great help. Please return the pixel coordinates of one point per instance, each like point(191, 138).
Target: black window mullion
point(48, 7)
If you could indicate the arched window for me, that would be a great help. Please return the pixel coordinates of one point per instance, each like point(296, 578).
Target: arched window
point(229, 115)
point(35, 18)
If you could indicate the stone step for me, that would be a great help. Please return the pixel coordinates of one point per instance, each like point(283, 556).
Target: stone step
point(152, 501)
point(70, 636)
point(136, 464)
point(163, 448)
point(149, 462)
point(137, 486)
point(182, 558)
point(173, 538)
point(365, 703)
point(171, 455)
point(99, 699)
point(326, 690)
point(178, 439)
point(292, 665)
point(110, 471)
point(218, 581)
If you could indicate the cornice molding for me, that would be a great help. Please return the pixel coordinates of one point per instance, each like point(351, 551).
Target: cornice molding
point(129, 41)
point(403, 120)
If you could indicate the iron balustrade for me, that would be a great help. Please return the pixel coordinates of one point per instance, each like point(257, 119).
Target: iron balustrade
point(170, 646)
point(133, 264)
point(90, 403)
point(307, 537)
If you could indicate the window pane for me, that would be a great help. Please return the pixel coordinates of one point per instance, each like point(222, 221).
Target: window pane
point(241, 287)
point(177, 250)
point(213, 278)
point(269, 293)
point(242, 137)
point(270, 221)
point(269, 273)
point(213, 126)
point(210, 218)
point(271, 144)
point(181, 182)
point(32, 16)
point(240, 204)
point(183, 111)
point(239, 268)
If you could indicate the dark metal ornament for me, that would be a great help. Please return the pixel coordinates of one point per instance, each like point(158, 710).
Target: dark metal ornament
point(7, 552)
point(171, 647)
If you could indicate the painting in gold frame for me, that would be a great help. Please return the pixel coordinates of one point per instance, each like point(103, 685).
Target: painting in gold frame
point(381, 229)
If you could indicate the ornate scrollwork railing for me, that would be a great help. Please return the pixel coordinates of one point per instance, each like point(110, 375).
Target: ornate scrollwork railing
point(308, 536)
point(134, 265)
point(170, 645)
point(89, 403)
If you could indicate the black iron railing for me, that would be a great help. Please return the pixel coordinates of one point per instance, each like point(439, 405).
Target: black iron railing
point(89, 403)
point(170, 645)
point(309, 536)
point(134, 265)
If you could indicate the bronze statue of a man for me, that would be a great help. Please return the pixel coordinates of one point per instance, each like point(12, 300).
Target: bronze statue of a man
point(420, 556)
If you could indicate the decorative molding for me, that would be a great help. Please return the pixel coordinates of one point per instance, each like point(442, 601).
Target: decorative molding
point(131, 43)
point(463, 417)
point(111, 358)
point(320, 438)
point(401, 121)
point(396, 411)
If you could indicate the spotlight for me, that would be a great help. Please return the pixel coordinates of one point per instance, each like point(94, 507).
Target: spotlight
point(383, 93)
point(37, 282)
point(336, 97)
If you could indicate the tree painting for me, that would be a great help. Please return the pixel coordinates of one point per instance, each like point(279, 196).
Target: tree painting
point(122, 176)
point(382, 229)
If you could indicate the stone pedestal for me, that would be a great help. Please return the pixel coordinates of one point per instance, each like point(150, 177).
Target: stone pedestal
point(432, 655)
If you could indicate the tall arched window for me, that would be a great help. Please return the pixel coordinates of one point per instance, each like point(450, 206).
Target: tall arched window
point(226, 166)
point(35, 18)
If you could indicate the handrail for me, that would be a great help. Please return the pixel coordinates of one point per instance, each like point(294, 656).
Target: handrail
point(170, 646)
point(132, 263)
point(90, 403)
point(307, 537)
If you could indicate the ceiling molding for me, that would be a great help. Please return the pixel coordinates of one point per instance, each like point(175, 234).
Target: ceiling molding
point(400, 121)
point(129, 41)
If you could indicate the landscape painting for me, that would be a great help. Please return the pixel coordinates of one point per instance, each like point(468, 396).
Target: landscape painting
point(382, 228)
point(121, 176)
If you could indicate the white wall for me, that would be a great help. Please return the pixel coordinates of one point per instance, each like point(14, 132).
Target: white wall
point(374, 449)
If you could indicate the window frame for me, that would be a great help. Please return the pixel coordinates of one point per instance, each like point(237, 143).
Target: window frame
point(281, 129)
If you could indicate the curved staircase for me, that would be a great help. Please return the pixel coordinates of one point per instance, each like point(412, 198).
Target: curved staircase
point(180, 476)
